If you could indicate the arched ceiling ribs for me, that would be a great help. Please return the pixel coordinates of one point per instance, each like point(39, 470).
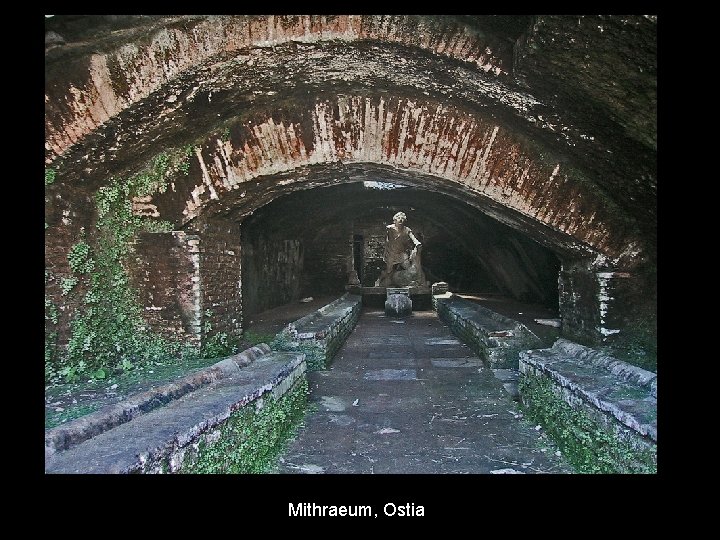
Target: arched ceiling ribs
point(133, 66)
point(271, 101)
point(417, 142)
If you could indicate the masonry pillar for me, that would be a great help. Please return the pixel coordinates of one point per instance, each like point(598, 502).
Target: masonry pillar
point(221, 278)
point(607, 306)
point(190, 284)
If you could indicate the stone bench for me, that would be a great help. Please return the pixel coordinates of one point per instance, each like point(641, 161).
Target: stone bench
point(191, 425)
point(495, 338)
point(321, 333)
point(601, 411)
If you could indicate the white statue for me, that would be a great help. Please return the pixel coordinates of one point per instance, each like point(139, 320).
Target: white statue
point(401, 256)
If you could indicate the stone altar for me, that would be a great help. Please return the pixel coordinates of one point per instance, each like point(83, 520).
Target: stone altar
point(398, 302)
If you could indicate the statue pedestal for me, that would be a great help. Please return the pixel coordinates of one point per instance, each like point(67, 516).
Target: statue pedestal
point(397, 290)
point(375, 297)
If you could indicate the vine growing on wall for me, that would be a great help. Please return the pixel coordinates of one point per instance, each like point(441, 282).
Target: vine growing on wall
point(52, 317)
point(109, 333)
point(51, 311)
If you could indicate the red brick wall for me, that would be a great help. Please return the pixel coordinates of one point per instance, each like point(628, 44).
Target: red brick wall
point(167, 277)
point(220, 278)
point(67, 211)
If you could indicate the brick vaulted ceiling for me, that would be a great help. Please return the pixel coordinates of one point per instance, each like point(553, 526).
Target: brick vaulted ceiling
point(547, 123)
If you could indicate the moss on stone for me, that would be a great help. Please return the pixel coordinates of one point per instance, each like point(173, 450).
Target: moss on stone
point(316, 356)
point(252, 438)
point(588, 446)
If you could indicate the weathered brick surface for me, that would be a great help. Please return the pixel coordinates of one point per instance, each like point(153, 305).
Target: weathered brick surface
point(106, 83)
point(220, 277)
point(154, 76)
point(166, 275)
point(177, 277)
point(469, 152)
point(67, 212)
point(579, 303)
point(181, 276)
point(628, 310)
point(272, 270)
point(606, 307)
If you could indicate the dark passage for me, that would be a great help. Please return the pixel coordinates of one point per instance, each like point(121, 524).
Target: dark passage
point(358, 252)
point(405, 396)
point(317, 241)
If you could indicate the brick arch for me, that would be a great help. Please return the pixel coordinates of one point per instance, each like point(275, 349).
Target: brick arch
point(423, 142)
point(85, 91)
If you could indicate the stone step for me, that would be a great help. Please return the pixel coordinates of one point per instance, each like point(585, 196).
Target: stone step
point(73, 433)
point(625, 392)
point(157, 439)
point(495, 338)
point(321, 333)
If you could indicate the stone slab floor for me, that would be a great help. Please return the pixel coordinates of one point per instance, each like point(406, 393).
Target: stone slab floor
point(405, 396)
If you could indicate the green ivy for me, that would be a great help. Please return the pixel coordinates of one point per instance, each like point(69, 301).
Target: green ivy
point(52, 316)
point(253, 437)
point(587, 446)
point(218, 344)
point(108, 331)
point(67, 285)
point(184, 165)
point(51, 311)
point(50, 354)
point(79, 258)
